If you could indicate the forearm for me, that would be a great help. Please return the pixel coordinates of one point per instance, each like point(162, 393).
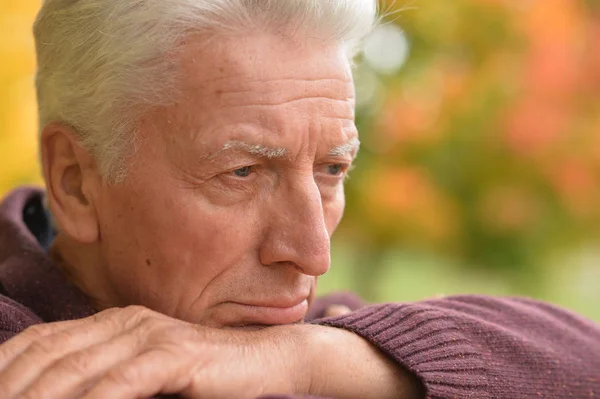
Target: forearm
point(477, 346)
point(344, 365)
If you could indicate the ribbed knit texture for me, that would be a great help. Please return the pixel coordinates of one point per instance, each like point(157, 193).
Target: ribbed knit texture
point(483, 347)
point(459, 347)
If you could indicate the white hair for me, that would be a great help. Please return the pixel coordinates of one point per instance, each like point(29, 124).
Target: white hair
point(103, 63)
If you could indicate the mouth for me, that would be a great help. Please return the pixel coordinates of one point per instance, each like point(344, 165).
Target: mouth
point(264, 314)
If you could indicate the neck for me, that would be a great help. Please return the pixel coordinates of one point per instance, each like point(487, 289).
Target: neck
point(81, 264)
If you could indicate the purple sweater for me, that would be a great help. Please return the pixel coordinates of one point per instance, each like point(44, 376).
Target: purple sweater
point(459, 347)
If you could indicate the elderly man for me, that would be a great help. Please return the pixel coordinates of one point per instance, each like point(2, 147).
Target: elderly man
point(194, 153)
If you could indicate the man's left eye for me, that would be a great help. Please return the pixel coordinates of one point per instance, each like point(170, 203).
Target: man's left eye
point(243, 172)
point(335, 169)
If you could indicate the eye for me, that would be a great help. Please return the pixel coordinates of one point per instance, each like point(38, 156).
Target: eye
point(242, 172)
point(335, 169)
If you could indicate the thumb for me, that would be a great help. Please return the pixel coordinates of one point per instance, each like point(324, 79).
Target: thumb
point(337, 310)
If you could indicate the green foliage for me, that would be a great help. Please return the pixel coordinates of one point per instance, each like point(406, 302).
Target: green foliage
point(480, 154)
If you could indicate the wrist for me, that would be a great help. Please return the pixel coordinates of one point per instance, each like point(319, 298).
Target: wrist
point(291, 361)
point(312, 357)
point(342, 364)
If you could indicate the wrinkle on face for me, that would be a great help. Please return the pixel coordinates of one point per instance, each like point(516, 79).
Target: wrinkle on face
point(286, 112)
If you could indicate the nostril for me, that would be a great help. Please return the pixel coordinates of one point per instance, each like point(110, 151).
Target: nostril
point(288, 263)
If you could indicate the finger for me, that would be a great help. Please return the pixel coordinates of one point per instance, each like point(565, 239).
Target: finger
point(33, 360)
point(337, 310)
point(14, 346)
point(72, 375)
point(17, 344)
point(28, 365)
point(153, 372)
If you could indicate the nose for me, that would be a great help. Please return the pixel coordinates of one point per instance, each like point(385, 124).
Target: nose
point(297, 233)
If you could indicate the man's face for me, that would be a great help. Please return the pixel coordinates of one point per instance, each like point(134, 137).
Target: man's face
point(227, 211)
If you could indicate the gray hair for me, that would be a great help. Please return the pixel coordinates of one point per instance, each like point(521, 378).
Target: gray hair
point(103, 63)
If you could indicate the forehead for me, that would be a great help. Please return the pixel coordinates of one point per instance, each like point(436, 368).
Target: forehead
point(233, 62)
point(264, 70)
point(258, 87)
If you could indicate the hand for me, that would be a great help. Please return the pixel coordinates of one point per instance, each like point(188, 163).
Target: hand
point(336, 310)
point(134, 352)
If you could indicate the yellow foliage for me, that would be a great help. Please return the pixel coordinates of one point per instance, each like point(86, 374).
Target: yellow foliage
point(18, 117)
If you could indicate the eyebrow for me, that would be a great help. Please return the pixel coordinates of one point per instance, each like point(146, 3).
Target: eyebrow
point(268, 152)
point(350, 147)
point(255, 149)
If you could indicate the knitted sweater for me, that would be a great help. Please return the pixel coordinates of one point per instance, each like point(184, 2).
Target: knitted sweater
point(459, 347)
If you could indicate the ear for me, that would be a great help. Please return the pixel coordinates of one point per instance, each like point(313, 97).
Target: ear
point(71, 180)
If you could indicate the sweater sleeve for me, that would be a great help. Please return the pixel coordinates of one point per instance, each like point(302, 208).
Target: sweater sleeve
point(483, 347)
point(14, 318)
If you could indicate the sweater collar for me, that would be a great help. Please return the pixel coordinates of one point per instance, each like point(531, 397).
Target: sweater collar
point(27, 274)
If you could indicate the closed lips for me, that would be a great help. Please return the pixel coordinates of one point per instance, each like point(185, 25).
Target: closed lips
point(270, 312)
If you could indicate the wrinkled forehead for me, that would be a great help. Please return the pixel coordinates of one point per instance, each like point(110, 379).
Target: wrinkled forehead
point(232, 88)
point(265, 64)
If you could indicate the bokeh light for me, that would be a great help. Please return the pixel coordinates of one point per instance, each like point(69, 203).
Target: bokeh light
point(386, 49)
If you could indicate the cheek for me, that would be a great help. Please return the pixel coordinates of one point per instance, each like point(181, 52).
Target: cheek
point(333, 210)
point(197, 235)
point(173, 243)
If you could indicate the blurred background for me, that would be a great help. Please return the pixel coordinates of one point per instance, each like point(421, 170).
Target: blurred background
point(480, 165)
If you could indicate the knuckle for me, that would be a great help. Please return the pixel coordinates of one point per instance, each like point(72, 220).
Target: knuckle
point(55, 342)
point(124, 318)
point(41, 348)
point(75, 365)
point(34, 393)
point(100, 317)
point(34, 332)
point(154, 331)
point(124, 376)
point(138, 309)
point(139, 316)
point(337, 310)
point(106, 314)
point(27, 343)
point(8, 350)
point(147, 325)
point(137, 313)
point(161, 328)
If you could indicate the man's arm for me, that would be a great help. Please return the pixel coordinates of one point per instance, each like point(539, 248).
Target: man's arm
point(485, 347)
point(459, 347)
point(342, 364)
point(135, 352)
